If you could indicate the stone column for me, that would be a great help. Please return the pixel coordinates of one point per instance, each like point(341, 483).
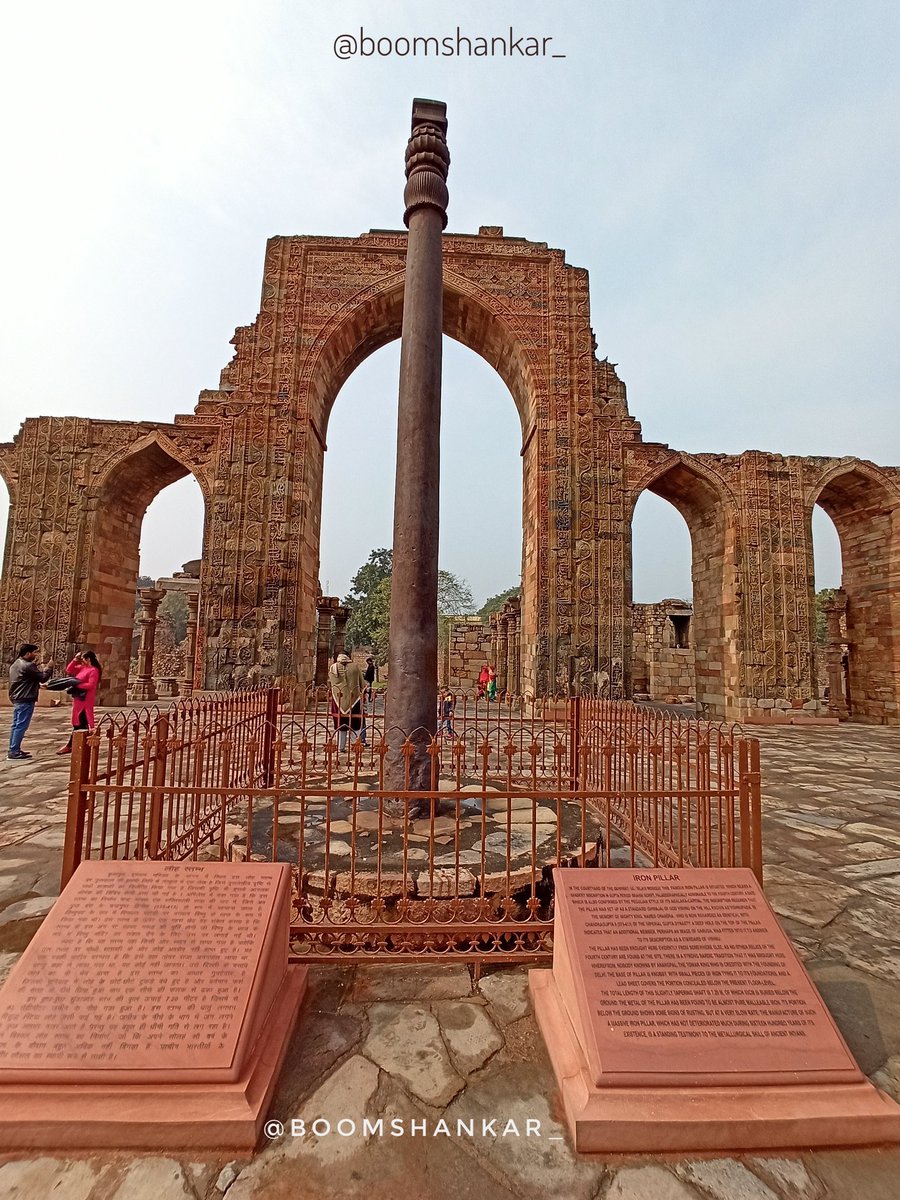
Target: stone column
point(835, 610)
point(324, 609)
point(495, 638)
point(143, 685)
point(190, 644)
point(412, 673)
point(500, 663)
point(341, 617)
point(512, 655)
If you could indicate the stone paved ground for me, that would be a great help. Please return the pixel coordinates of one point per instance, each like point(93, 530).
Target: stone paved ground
point(418, 1043)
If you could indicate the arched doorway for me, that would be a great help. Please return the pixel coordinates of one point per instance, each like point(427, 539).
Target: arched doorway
point(116, 514)
point(866, 515)
point(480, 483)
point(367, 328)
point(662, 645)
point(700, 502)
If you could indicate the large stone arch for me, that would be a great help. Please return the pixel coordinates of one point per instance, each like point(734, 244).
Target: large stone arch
point(864, 505)
point(114, 508)
point(364, 328)
point(709, 513)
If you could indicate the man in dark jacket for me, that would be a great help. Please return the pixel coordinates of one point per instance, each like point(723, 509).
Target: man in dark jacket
point(25, 679)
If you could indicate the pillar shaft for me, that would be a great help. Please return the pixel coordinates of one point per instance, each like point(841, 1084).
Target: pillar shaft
point(144, 688)
point(190, 643)
point(412, 688)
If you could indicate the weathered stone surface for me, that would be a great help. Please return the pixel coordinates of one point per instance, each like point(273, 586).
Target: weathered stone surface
point(48, 1179)
point(154, 1179)
point(468, 1032)
point(25, 910)
point(789, 1176)
point(532, 1166)
point(805, 898)
point(648, 1183)
point(344, 1096)
point(444, 982)
point(405, 1040)
point(725, 1179)
point(507, 994)
point(871, 870)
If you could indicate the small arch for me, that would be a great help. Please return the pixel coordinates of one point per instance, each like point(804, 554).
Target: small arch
point(865, 510)
point(705, 506)
point(122, 492)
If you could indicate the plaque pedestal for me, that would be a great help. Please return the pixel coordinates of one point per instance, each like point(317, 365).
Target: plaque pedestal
point(701, 1034)
point(152, 1010)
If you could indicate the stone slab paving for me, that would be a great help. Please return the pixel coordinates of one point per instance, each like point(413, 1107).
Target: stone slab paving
point(392, 1051)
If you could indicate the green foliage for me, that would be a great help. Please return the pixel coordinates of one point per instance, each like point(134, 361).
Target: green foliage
point(369, 601)
point(495, 603)
point(821, 620)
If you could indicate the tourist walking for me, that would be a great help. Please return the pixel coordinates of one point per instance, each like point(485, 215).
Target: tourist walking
point(369, 675)
point(347, 684)
point(491, 683)
point(86, 669)
point(484, 676)
point(448, 708)
point(25, 679)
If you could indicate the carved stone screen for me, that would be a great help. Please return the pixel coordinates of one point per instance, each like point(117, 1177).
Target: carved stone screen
point(146, 968)
point(685, 977)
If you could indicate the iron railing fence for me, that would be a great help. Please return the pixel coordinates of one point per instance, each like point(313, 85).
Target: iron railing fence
point(461, 871)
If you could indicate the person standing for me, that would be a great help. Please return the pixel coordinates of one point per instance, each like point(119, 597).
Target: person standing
point(369, 675)
point(448, 707)
point(347, 685)
point(25, 679)
point(87, 670)
point(484, 676)
point(491, 683)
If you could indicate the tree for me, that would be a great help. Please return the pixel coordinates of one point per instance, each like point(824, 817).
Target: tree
point(495, 603)
point(367, 624)
point(822, 597)
point(369, 601)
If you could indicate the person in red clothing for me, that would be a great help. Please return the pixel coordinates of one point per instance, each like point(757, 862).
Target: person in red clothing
point(87, 670)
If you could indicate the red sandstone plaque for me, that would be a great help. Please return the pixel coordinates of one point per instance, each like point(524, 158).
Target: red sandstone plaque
point(679, 1017)
point(149, 984)
point(686, 977)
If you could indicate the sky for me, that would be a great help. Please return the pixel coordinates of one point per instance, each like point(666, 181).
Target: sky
point(728, 174)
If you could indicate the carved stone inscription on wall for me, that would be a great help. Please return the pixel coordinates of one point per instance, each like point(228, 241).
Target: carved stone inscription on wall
point(687, 974)
point(141, 967)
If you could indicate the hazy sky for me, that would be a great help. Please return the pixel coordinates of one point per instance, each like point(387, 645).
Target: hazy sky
point(728, 173)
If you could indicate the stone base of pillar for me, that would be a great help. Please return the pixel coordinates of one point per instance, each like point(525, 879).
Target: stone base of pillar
point(144, 689)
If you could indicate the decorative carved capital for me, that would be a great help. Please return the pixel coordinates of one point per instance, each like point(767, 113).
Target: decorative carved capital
point(427, 160)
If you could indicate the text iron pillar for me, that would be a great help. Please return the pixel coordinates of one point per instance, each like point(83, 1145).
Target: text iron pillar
point(412, 674)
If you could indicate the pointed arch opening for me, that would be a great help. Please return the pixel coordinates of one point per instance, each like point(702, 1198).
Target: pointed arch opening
point(866, 517)
point(710, 633)
point(469, 321)
point(113, 566)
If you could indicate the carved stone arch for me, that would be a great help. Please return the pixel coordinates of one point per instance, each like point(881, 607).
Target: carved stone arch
point(10, 478)
point(156, 449)
point(369, 321)
point(864, 504)
point(372, 318)
point(114, 504)
point(707, 505)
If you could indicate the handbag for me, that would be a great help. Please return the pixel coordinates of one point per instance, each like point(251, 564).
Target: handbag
point(67, 683)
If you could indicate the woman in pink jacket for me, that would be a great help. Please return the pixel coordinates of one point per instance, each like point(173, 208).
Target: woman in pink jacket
point(87, 670)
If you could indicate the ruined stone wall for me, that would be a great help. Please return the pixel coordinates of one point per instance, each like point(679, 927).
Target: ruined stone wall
point(79, 490)
point(468, 649)
point(662, 670)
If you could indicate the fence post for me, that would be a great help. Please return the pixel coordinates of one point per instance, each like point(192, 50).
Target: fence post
point(157, 795)
point(270, 735)
point(574, 741)
point(79, 777)
point(751, 808)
